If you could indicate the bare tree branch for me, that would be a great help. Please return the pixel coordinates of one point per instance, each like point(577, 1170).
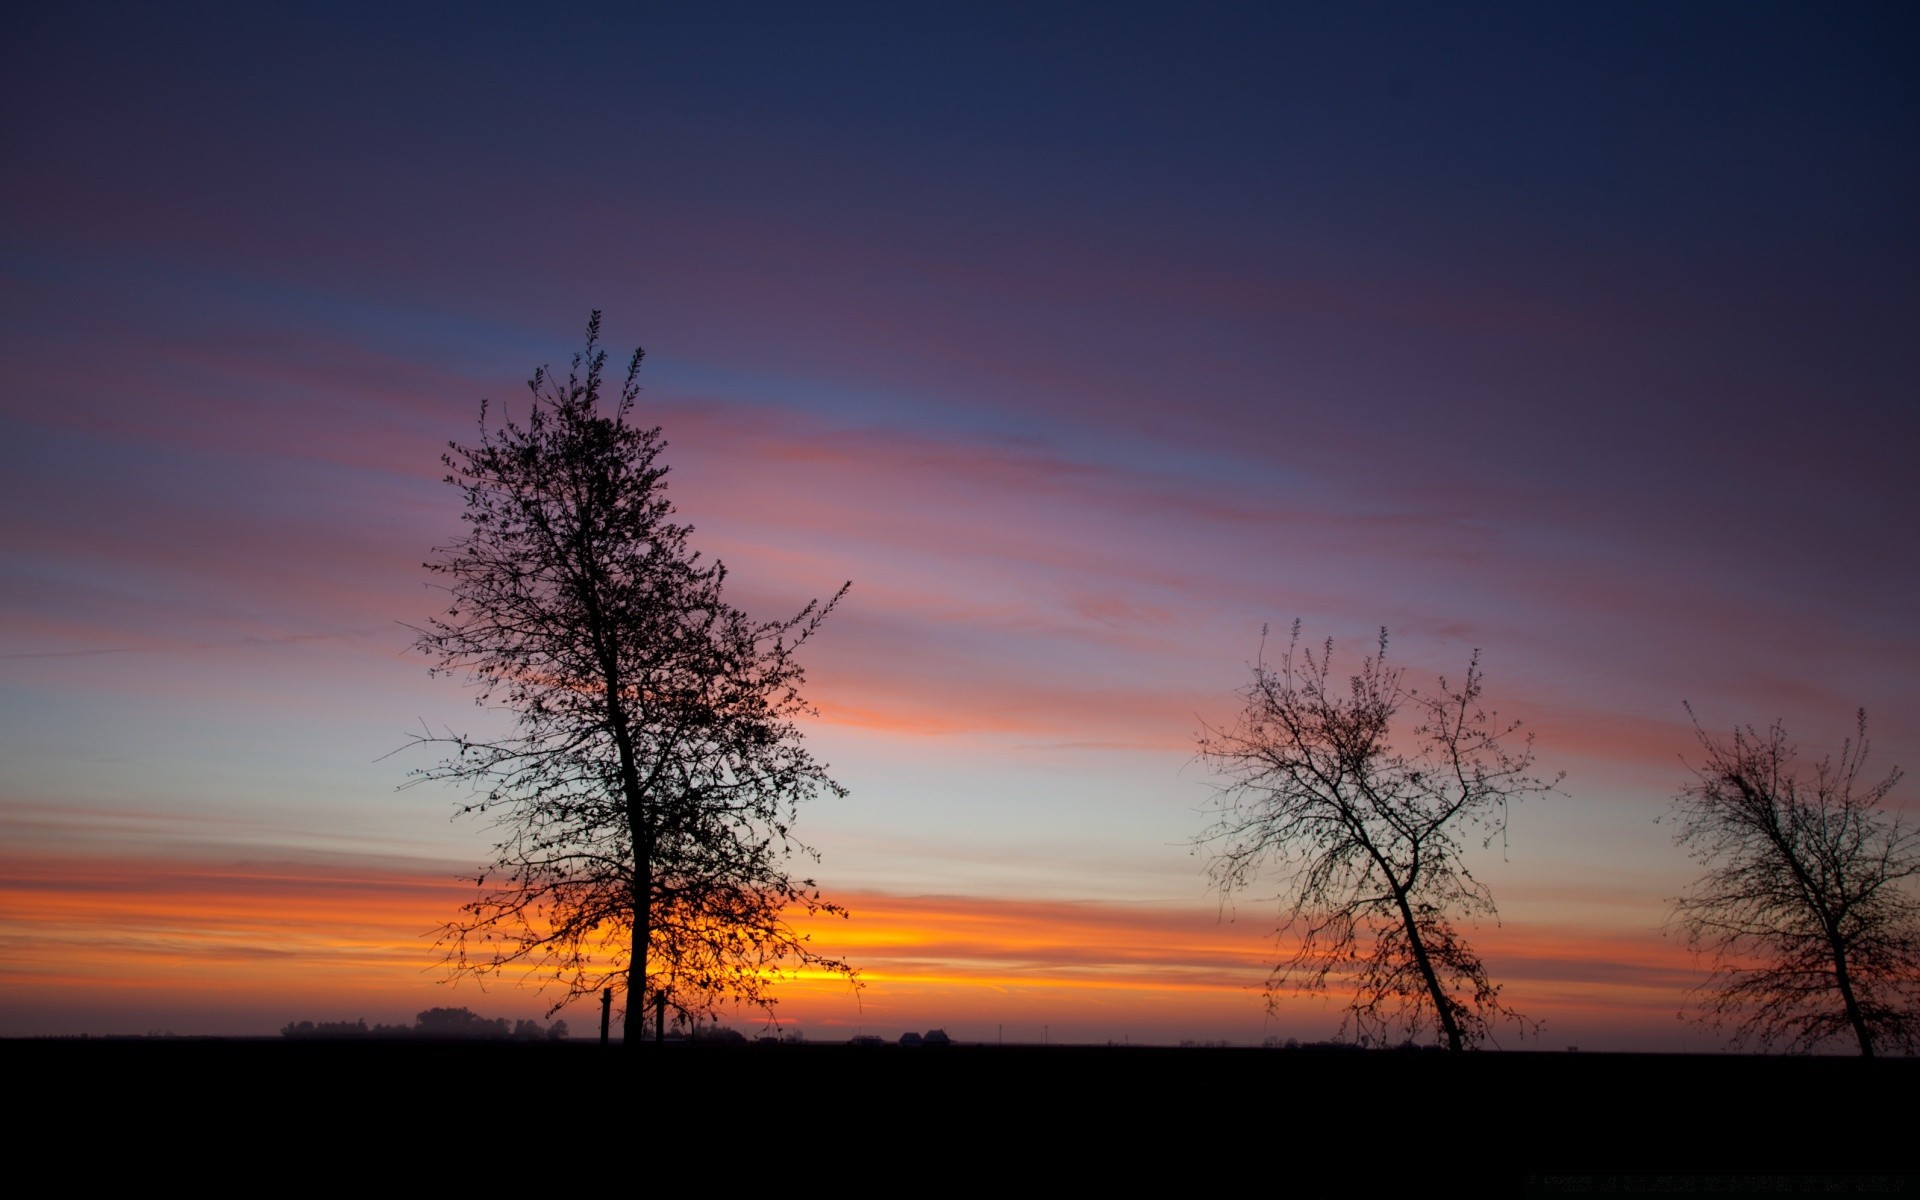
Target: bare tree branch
point(1807, 910)
point(1367, 836)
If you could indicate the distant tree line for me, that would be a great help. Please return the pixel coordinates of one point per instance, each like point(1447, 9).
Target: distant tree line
point(435, 1024)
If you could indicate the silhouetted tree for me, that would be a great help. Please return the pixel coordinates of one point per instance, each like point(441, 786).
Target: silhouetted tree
point(1364, 823)
point(1808, 908)
point(461, 1023)
point(438, 1024)
point(331, 1030)
point(646, 796)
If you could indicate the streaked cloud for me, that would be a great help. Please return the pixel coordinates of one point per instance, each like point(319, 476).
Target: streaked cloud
point(340, 938)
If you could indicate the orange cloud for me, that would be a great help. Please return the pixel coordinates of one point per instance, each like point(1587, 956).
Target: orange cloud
point(116, 944)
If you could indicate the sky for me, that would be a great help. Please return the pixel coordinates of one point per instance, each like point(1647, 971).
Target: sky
point(1086, 341)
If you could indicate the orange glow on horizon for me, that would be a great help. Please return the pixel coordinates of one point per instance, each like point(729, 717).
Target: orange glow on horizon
point(258, 944)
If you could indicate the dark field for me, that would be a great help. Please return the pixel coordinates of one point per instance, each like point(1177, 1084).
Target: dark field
point(1266, 1121)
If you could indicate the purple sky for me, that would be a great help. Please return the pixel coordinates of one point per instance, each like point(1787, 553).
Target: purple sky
point(1084, 340)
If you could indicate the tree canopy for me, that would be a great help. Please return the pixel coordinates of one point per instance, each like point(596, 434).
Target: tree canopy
point(646, 796)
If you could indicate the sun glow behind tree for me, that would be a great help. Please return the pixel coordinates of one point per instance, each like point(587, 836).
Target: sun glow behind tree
point(645, 800)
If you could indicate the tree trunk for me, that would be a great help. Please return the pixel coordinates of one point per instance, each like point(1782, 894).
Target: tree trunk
point(634, 1030)
point(1854, 1016)
point(1442, 1005)
point(1815, 896)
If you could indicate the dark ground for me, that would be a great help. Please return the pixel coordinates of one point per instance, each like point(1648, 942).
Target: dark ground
point(1270, 1122)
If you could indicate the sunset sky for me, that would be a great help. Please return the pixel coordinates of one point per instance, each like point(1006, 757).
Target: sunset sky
point(1085, 340)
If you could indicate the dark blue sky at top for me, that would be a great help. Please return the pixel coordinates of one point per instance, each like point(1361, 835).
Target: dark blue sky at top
point(1560, 244)
point(1398, 136)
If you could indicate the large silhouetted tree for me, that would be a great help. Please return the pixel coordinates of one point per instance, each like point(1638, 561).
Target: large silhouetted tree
point(1365, 821)
point(646, 794)
point(1808, 909)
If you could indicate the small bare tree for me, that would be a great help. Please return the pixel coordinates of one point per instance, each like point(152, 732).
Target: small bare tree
point(1808, 909)
point(1367, 830)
